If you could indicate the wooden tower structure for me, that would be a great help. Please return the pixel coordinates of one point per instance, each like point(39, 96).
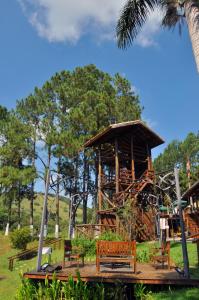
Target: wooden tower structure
point(191, 214)
point(125, 172)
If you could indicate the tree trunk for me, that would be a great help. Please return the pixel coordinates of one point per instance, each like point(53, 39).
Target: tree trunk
point(85, 197)
point(192, 17)
point(9, 217)
point(46, 179)
point(188, 169)
point(32, 193)
point(73, 203)
point(95, 204)
point(19, 208)
point(57, 200)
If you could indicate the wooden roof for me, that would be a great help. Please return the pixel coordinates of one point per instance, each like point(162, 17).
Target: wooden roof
point(138, 128)
point(192, 191)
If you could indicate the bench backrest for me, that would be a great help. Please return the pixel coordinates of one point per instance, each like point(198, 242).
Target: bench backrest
point(67, 248)
point(116, 248)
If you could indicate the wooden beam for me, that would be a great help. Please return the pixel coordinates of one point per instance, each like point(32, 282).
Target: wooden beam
point(116, 166)
point(132, 160)
point(111, 277)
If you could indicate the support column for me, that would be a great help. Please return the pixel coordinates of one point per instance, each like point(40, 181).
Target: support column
point(149, 159)
point(116, 166)
point(99, 180)
point(132, 160)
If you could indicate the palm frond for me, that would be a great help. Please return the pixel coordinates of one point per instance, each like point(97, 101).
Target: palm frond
point(132, 18)
point(174, 14)
point(171, 18)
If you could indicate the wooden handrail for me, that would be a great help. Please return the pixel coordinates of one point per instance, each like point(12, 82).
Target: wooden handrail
point(28, 251)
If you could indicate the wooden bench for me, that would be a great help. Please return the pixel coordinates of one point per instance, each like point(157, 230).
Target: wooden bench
point(116, 253)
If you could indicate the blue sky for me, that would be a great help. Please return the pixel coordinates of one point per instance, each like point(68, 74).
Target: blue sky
point(41, 37)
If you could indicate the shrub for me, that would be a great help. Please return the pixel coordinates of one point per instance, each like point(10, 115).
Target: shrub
point(70, 290)
point(20, 238)
point(141, 292)
point(88, 246)
point(110, 236)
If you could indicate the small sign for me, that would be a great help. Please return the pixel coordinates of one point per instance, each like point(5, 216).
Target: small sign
point(46, 250)
point(162, 223)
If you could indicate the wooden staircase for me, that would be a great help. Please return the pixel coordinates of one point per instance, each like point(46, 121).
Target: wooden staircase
point(144, 227)
point(192, 222)
point(131, 191)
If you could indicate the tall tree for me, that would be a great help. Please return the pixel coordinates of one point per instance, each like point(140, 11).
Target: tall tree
point(135, 14)
point(65, 112)
point(183, 153)
point(29, 112)
point(14, 174)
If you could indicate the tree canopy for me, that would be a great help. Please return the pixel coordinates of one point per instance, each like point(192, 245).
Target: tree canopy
point(51, 125)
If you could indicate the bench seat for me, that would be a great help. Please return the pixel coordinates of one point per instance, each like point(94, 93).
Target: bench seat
point(116, 253)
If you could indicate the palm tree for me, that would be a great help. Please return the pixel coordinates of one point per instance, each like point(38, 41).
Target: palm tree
point(135, 13)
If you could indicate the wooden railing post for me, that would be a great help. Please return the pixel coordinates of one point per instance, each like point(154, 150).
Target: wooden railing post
point(132, 160)
point(116, 166)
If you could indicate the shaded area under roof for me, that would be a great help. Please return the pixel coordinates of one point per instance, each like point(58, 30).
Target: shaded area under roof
point(137, 128)
point(192, 191)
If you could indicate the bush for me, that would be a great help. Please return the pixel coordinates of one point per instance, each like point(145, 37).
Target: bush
point(20, 238)
point(88, 246)
point(70, 290)
point(110, 236)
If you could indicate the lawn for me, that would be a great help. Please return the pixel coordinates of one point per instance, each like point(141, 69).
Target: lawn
point(10, 280)
point(177, 294)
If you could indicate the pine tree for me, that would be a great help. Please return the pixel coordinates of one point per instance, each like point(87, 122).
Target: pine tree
point(14, 174)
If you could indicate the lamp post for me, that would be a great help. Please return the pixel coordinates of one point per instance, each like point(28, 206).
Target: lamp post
point(184, 244)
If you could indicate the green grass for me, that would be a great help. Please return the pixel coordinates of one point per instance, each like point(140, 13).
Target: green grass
point(176, 252)
point(11, 280)
point(180, 294)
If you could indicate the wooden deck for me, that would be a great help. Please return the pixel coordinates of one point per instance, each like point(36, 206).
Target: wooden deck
point(146, 273)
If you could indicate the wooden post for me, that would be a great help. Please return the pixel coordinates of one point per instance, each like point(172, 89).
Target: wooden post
point(132, 160)
point(116, 166)
point(149, 160)
point(197, 243)
point(99, 180)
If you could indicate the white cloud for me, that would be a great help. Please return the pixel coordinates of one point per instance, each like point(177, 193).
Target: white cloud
point(69, 20)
